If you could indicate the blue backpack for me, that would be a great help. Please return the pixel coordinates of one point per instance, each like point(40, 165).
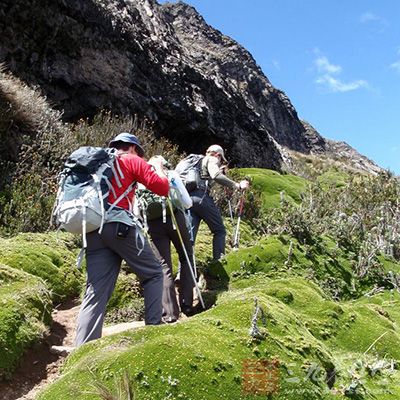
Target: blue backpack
point(81, 204)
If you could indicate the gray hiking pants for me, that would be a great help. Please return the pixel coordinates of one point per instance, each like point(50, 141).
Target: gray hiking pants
point(104, 254)
point(162, 234)
point(205, 209)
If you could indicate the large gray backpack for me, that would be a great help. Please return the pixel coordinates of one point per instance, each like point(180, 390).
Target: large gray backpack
point(81, 204)
point(189, 169)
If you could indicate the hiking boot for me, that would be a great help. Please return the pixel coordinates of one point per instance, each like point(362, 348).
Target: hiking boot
point(188, 311)
point(168, 320)
point(61, 350)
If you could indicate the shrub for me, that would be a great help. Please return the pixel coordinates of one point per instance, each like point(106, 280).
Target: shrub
point(34, 145)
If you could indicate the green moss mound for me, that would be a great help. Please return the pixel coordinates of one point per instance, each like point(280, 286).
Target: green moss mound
point(271, 183)
point(47, 256)
point(25, 309)
point(202, 358)
point(333, 177)
point(280, 255)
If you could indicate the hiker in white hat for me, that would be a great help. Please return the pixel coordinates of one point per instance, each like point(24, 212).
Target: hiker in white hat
point(210, 170)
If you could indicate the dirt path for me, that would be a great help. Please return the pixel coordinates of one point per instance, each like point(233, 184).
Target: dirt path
point(39, 366)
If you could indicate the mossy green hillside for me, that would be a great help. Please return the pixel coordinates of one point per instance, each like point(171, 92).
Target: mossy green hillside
point(333, 177)
point(271, 183)
point(47, 256)
point(202, 358)
point(25, 307)
point(279, 255)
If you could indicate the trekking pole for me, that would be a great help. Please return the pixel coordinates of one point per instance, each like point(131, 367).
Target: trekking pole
point(179, 195)
point(192, 241)
point(230, 210)
point(236, 235)
point(186, 254)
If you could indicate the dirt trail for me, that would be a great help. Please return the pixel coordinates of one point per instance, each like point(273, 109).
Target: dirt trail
point(39, 366)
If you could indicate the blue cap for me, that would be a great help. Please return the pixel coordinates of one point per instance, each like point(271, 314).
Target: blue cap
point(129, 138)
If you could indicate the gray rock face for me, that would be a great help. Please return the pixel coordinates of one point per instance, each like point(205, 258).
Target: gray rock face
point(317, 142)
point(339, 151)
point(344, 152)
point(159, 61)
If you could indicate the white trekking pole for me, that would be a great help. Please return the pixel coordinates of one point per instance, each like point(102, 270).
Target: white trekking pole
point(179, 195)
point(192, 241)
point(237, 230)
point(230, 210)
point(186, 254)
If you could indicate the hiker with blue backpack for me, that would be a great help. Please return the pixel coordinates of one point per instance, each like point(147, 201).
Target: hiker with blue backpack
point(111, 232)
point(166, 223)
point(200, 173)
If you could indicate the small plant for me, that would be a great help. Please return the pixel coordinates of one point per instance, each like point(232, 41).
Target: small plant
point(122, 388)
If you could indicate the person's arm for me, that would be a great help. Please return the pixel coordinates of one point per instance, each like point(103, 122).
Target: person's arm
point(155, 180)
point(216, 173)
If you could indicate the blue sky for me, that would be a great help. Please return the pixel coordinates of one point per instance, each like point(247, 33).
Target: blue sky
point(337, 60)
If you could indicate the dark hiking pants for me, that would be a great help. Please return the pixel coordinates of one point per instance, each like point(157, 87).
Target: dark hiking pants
point(104, 254)
point(205, 209)
point(162, 234)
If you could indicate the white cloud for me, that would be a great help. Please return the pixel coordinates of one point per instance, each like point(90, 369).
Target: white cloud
point(371, 17)
point(276, 64)
point(323, 65)
point(368, 17)
point(328, 76)
point(396, 66)
point(336, 85)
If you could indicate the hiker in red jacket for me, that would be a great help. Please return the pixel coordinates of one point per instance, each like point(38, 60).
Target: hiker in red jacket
point(122, 239)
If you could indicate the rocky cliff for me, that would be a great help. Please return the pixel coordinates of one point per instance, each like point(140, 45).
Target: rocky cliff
point(159, 61)
point(339, 151)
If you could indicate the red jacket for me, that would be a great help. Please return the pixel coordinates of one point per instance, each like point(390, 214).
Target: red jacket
point(135, 169)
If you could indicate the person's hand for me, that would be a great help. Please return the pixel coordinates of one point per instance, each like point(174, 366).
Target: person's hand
point(243, 185)
point(159, 164)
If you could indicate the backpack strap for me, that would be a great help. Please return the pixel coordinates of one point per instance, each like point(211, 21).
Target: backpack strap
point(121, 174)
point(101, 199)
point(110, 187)
point(84, 225)
point(164, 210)
point(139, 236)
point(114, 171)
point(129, 188)
point(142, 208)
